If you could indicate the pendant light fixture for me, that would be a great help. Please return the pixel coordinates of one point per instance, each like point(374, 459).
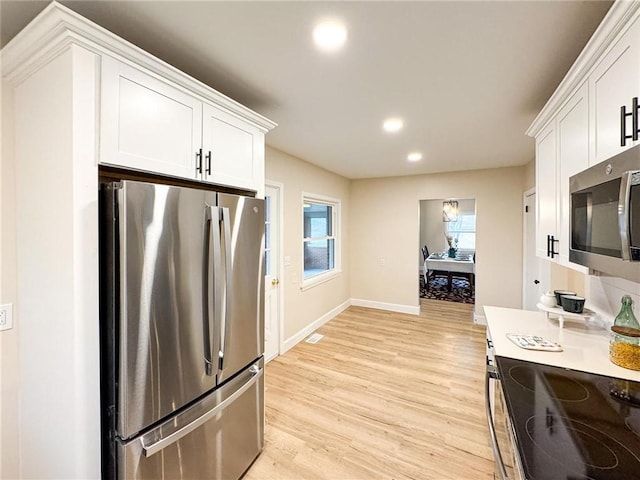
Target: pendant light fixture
point(450, 211)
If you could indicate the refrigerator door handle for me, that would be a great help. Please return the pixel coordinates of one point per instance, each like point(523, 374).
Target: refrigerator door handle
point(210, 296)
point(151, 447)
point(226, 231)
point(218, 282)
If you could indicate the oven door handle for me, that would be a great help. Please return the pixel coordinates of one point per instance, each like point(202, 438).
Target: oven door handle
point(623, 211)
point(492, 373)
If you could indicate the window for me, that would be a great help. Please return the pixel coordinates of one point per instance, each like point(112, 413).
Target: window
point(320, 220)
point(464, 229)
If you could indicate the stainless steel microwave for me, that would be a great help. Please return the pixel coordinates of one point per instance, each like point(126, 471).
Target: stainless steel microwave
point(605, 216)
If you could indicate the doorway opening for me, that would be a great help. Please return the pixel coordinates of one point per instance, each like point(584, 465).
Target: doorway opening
point(447, 252)
point(273, 295)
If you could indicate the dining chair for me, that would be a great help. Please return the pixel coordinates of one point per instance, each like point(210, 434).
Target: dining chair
point(468, 276)
point(431, 274)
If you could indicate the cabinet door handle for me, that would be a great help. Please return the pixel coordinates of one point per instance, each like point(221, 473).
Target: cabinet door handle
point(636, 113)
point(551, 240)
point(553, 247)
point(199, 161)
point(634, 122)
point(208, 157)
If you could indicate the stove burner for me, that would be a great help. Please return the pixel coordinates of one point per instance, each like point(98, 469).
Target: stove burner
point(583, 449)
point(633, 423)
point(558, 386)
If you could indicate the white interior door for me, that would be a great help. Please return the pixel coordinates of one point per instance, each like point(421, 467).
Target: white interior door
point(536, 270)
point(273, 291)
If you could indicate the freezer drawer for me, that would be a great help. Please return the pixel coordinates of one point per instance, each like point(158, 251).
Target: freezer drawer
point(217, 438)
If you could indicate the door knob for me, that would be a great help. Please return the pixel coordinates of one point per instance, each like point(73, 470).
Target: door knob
point(536, 282)
point(275, 281)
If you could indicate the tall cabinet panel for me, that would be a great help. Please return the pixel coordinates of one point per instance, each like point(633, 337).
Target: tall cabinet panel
point(613, 83)
point(147, 124)
point(56, 228)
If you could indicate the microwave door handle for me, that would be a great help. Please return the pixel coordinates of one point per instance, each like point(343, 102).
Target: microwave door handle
point(492, 373)
point(623, 213)
point(228, 287)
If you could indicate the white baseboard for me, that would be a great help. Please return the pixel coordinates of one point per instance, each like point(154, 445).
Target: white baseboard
point(309, 329)
point(392, 307)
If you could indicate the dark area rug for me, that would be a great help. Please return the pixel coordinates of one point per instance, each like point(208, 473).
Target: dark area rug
point(460, 292)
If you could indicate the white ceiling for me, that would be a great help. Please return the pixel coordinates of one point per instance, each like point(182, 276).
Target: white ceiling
point(467, 77)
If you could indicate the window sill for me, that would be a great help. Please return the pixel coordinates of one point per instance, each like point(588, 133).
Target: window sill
point(318, 279)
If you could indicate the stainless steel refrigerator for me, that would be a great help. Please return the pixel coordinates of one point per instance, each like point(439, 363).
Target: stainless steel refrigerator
point(182, 327)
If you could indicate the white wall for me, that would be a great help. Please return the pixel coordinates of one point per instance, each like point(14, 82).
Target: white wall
point(302, 309)
point(431, 227)
point(385, 221)
point(9, 360)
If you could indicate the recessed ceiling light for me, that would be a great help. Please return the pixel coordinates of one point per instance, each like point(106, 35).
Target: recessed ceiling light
point(393, 124)
point(414, 157)
point(330, 35)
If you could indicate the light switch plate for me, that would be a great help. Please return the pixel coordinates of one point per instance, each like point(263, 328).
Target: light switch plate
point(6, 316)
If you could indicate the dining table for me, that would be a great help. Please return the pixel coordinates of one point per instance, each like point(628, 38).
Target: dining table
point(441, 262)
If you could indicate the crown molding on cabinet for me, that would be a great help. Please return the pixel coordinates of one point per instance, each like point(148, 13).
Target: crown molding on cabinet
point(615, 23)
point(57, 27)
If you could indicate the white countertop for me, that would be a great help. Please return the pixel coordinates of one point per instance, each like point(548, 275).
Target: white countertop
point(585, 344)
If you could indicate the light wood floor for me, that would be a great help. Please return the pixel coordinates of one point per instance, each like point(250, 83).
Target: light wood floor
point(382, 396)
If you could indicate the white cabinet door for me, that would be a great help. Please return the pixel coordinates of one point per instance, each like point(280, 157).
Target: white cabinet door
point(546, 181)
point(613, 83)
point(233, 150)
point(572, 130)
point(146, 123)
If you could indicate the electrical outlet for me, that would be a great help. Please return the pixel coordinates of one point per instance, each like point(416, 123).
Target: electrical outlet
point(6, 317)
point(381, 262)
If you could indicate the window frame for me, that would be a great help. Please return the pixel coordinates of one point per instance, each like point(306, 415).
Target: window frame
point(336, 219)
point(457, 232)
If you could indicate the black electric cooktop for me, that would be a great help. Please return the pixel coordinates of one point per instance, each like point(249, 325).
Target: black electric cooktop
point(572, 425)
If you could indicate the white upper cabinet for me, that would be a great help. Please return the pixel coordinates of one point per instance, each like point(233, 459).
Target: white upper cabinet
point(147, 124)
point(152, 124)
point(562, 150)
point(581, 123)
point(233, 151)
point(572, 125)
point(614, 82)
point(546, 191)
